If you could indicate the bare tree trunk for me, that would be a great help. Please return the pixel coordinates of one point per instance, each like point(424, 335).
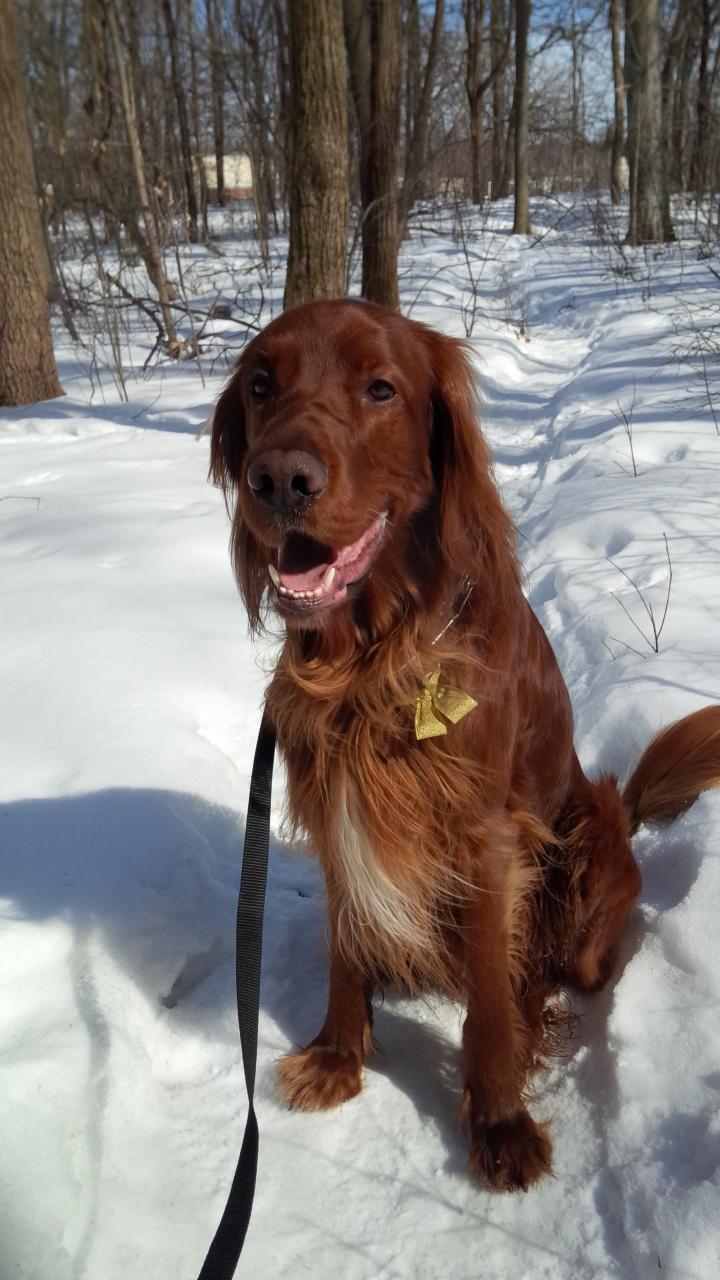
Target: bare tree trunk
point(27, 363)
point(182, 119)
point(576, 97)
point(197, 158)
point(521, 225)
point(413, 60)
point(499, 49)
point(699, 169)
point(255, 53)
point(681, 115)
point(380, 229)
point(619, 92)
point(649, 220)
point(319, 174)
point(418, 112)
point(217, 87)
point(474, 16)
point(671, 74)
point(356, 15)
point(283, 74)
point(155, 265)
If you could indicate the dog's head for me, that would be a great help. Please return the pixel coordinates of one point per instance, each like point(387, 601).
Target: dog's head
point(348, 439)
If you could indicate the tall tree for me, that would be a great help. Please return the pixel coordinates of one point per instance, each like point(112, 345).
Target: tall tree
point(198, 149)
point(678, 82)
point(153, 254)
point(700, 161)
point(319, 172)
point(577, 128)
point(649, 220)
point(417, 110)
point(499, 50)
point(284, 112)
point(27, 362)
point(475, 86)
point(178, 83)
point(381, 231)
point(356, 18)
point(521, 225)
point(619, 94)
point(675, 67)
point(217, 92)
point(373, 30)
point(253, 21)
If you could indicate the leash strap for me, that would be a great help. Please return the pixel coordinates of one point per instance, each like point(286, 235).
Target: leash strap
point(225, 1250)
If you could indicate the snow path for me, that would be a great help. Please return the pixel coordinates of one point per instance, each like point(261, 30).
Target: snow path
point(130, 699)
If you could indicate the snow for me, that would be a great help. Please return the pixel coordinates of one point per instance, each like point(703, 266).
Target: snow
point(130, 702)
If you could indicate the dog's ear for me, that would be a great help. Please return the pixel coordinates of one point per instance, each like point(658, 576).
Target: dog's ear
point(474, 532)
point(228, 447)
point(228, 442)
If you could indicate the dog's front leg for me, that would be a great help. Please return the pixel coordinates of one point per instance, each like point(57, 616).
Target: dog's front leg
point(508, 1150)
point(329, 1070)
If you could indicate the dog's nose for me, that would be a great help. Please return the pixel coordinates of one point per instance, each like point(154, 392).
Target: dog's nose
point(287, 479)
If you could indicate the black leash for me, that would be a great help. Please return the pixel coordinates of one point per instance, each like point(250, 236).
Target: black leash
point(225, 1250)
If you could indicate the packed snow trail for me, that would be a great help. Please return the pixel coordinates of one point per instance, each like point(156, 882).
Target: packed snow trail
point(130, 704)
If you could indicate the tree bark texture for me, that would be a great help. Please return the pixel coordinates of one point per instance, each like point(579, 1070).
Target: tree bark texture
point(27, 363)
point(283, 76)
point(198, 149)
point(356, 17)
point(372, 36)
point(619, 94)
point(474, 15)
point(319, 170)
point(700, 163)
point(499, 49)
point(670, 78)
point(380, 228)
point(680, 119)
point(521, 225)
point(649, 220)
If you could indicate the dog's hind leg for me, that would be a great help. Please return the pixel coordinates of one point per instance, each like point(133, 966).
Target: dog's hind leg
point(604, 887)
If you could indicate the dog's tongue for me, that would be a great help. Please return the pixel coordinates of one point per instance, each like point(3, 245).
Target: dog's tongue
point(302, 563)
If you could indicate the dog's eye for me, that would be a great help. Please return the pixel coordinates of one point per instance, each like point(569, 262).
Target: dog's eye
point(381, 390)
point(260, 386)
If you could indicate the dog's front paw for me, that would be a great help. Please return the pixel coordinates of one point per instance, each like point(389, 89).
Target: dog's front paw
point(511, 1154)
point(320, 1077)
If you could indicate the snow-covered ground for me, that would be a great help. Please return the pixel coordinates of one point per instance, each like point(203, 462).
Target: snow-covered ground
point(130, 699)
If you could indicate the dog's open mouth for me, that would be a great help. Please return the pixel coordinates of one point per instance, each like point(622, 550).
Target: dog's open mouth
point(311, 575)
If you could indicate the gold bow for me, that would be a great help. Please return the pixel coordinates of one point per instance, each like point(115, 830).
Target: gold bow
point(434, 696)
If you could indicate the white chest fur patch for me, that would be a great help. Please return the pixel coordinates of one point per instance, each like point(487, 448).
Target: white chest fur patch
point(377, 913)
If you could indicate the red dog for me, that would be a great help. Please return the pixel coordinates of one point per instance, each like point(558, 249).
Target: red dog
point(425, 726)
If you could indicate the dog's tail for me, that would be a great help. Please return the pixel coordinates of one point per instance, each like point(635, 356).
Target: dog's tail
point(681, 762)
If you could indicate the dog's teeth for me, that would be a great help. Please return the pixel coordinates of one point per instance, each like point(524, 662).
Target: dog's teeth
point(307, 598)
